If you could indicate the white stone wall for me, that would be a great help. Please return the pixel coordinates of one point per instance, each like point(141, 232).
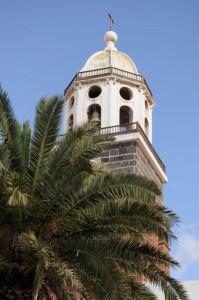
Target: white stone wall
point(110, 101)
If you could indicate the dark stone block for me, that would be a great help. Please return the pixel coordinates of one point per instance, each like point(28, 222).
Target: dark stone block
point(123, 150)
point(132, 163)
point(114, 152)
point(125, 163)
point(120, 158)
point(114, 146)
point(104, 154)
point(114, 158)
point(128, 157)
point(127, 170)
point(105, 160)
point(114, 165)
point(128, 144)
point(132, 149)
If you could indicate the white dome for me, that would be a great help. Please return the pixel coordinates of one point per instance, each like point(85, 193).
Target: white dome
point(110, 57)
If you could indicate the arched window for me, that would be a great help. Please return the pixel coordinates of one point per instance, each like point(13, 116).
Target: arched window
point(146, 107)
point(70, 122)
point(72, 99)
point(94, 91)
point(94, 113)
point(126, 93)
point(146, 127)
point(126, 118)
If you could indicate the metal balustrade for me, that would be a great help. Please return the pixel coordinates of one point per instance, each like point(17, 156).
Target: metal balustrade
point(126, 129)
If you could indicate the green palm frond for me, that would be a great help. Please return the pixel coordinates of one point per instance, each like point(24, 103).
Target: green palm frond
point(38, 280)
point(16, 196)
point(140, 291)
point(147, 253)
point(25, 151)
point(73, 151)
point(72, 226)
point(10, 130)
point(49, 265)
point(103, 269)
point(173, 289)
point(44, 137)
point(63, 280)
point(68, 181)
point(127, 215)
point(115, 186)
point(5, 160)
point(88, 147)
point(122, 185)
point(8, 123)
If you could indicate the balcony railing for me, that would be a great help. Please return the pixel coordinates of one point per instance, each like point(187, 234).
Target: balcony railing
point(80, 76)
point(125, 129)
point(130, 128)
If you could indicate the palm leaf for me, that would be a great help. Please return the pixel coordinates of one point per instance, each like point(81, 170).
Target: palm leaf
point(92, 257)
point(74, 151)
point(5, 160)
point(10, 130)
point(140, 291)
point(72, 224)
point(49, 266)
point(114, 186)
point(38, 280)
point(127, 215)
point(45, 134)
point(25, 151)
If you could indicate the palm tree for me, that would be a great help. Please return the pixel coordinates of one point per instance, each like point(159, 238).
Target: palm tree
point(70, 228)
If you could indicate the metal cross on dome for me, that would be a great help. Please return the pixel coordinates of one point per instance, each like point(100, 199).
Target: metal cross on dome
point(111, 21)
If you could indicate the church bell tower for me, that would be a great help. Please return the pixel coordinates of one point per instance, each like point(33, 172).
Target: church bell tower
point(109, 89)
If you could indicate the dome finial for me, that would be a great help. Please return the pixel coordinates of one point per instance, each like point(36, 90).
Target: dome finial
point(110, 37)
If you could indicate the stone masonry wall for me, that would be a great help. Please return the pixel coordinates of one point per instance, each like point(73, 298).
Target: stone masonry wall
point(129, 157)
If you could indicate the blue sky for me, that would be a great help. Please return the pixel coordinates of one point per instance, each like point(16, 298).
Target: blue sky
point(44, 43)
